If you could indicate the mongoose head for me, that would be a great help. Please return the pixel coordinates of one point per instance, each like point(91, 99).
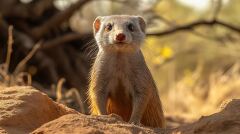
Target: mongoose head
point(119, 32)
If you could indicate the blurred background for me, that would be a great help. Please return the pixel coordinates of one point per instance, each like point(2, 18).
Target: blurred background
point(192, 49)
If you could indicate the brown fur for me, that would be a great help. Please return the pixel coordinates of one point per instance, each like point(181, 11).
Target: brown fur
point(121, 82)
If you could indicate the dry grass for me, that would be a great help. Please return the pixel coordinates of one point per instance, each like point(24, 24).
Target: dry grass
point(18, 77)
point(68, 96)
point(192, 97)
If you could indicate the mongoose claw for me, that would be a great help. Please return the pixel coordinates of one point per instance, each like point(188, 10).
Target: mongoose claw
point(135, 123)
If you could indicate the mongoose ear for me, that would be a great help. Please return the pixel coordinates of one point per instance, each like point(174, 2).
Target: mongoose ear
point(96, 24)
point(142, 23)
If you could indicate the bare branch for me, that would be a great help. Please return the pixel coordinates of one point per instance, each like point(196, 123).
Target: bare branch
point(61, 40)
point(9, 50)
point(193, 25)
point(74, 91)
point(40, 6)
point(57, 19)
point(21, 65)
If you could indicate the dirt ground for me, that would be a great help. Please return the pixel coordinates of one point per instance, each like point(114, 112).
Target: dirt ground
point(27, 110)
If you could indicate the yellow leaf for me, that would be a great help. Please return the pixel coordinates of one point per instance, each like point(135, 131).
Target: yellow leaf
point(167, 52)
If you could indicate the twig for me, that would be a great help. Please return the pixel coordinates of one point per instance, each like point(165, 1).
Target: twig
point(9, 50)
point(19, 79)
point(193, 25)
point(22, 63)
point(59, 89)
point(78, 98)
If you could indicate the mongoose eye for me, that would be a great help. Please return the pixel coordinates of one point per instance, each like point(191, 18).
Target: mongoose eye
point(130, 27)
point(108, 27)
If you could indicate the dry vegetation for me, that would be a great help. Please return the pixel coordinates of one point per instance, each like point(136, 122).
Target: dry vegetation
point(17, 77)
point(196, 68)
point(20, 78)
point(192, 97)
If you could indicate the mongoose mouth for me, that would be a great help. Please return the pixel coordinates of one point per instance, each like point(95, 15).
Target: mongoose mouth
point(120, 43)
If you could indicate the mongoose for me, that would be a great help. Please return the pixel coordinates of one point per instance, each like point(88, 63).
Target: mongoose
point(120, 81)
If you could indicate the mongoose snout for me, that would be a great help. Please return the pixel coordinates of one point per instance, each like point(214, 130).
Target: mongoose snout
point(120, 37)
point(121, 82)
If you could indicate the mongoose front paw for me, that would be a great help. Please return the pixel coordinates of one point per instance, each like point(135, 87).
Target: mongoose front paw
point(135, 123)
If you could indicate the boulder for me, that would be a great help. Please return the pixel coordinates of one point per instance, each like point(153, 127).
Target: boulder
point(23, 109)
point(227, 121)
point(86, 124)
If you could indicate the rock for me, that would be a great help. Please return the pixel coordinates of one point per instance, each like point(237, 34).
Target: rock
point(86, 124)
point(23, 109)
point(226, 121)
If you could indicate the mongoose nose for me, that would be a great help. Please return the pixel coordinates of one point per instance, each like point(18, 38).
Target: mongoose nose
point(120, 37)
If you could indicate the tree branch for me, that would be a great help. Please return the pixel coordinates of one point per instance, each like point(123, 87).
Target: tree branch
point(61, 40)
point(38, 7)
point(193, 25)
point(57, 19)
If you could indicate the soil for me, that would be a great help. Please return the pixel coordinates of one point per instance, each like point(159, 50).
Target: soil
point(27, 110)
